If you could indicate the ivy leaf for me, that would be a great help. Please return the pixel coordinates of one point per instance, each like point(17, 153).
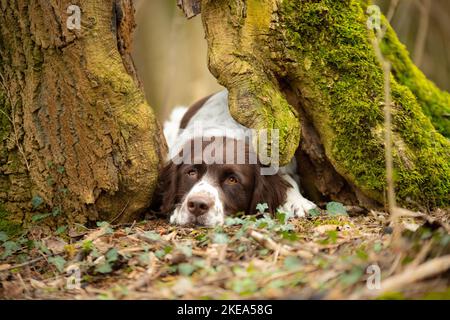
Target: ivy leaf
point(39, 217)
point(87, 246)
point(336, 209)
point(153, 236)
point(352, 277)
point(229, 221)
point(61, 230)
point(3, 236)
point(281, 217)
point(104, 268)
point(58, 262)
point(186, 269)
point(245, 286)
point(292, 262)
point(362, 254)
point(36, 201)
point(144, 258)
point(262, 224)
point(105, 225)
point(287, 227)
point(41, 247)
point(241, 249)
point(314, 212)
point(445, 241)
point(94, 253)
point(112, 255)
point(186, 250)
point(332, 236)
point(10, 248)
point(220, 238)
point(262, 207)
point(56, 211)
point(201, 238)
point(102, 224)
point(168, 249)
point(160, 254)
point(288, 235)
point(172, 269)
point(377, 247)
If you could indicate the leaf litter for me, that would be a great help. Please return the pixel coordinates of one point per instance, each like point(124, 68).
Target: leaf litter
point(331, 254)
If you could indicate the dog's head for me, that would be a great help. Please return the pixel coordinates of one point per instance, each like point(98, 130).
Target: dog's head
point(199, 191)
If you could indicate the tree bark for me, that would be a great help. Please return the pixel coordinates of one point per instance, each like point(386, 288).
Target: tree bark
point(77, 139)
point(310, 64)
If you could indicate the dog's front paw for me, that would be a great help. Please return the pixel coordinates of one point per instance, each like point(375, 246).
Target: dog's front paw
point(296, 204)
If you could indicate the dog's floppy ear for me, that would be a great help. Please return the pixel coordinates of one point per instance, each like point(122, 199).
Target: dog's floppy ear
point(270, 189)
point(165, 193)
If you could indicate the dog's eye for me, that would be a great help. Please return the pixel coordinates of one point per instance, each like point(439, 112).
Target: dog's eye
point(192, 173)
point(231, 180)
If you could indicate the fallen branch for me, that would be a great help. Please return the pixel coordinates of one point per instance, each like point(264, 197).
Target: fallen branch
point(22, 264)
point(407, 277)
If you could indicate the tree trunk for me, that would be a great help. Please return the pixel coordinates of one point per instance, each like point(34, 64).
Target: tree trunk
point(77, 140)
point(310, 64)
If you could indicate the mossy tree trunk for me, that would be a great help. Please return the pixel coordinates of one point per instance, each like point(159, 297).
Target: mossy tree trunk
point(77, 139)
point(310, 64)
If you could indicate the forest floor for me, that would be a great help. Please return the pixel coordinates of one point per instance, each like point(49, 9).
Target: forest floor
point(333, 254)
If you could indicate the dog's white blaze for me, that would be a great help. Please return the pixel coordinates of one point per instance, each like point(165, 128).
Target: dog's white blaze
point(214, 216)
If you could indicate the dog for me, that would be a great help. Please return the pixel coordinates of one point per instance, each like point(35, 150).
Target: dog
point(195, 188)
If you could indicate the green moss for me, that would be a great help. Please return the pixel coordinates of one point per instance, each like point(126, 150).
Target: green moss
point(443, 295)
point(391, 296)
point(332, 221)
point(342, 85)
point(280, 115)
point(434, 102)
point(4, 121)
point(258, 104)
point(6, 224)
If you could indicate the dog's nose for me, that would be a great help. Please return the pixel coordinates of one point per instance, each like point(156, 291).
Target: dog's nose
point(198, 205)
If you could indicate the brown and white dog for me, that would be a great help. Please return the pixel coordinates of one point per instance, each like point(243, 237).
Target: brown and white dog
point(197, 186)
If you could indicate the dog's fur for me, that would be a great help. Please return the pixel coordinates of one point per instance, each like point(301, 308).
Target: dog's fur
point(201, 192)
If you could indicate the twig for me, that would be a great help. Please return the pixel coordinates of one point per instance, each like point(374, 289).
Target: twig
point(402, 212)
point(392, 7)
point(386, 66)
point(148, 275)
point(120, 213)
point(422, 255)
point(144, 238)
point(395, 265)
point(276, 254)
point(92, 236)
point(268, 243)
point(409, 276)
point(422, 31)
point(23, 284)
point(24, 264)
point(283, 275)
